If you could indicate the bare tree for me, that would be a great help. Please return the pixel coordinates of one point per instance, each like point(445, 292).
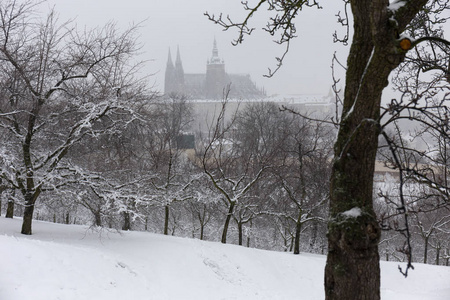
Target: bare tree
point(305, 174)
point(232, 172)
point(171, 177)
point(58, 84)
point(427, 227)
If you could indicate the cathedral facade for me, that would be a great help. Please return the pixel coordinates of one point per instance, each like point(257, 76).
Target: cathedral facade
point(212, 84)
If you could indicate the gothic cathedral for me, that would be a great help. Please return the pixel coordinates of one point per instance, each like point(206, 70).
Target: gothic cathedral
point(209, 86)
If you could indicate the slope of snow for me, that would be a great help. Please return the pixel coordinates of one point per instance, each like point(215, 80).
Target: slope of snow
point(72, 262)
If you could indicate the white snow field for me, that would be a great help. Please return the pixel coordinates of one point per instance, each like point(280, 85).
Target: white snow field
point(72, 262)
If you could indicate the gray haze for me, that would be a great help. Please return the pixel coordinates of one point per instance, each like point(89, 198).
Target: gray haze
point(172, 23)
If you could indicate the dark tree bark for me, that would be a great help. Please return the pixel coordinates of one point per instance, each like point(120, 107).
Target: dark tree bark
point(352, 270)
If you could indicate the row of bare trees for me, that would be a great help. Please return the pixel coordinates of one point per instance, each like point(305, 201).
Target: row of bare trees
point(264, 170)
point(263, 157)
point(258, 178)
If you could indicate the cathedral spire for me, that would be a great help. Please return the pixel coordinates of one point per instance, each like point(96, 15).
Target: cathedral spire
point(215, 59)
point(179, 73)
point(169, 83)
point(169, 60)
point(178, 63)
point(178, 60)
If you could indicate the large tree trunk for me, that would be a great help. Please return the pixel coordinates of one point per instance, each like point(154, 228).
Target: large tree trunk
point(227, 222)
point(352, 270)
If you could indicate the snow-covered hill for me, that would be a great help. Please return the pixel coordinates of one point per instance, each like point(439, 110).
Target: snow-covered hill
point(72, 262)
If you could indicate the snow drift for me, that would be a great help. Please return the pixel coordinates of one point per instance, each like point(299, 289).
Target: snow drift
point(74, 262)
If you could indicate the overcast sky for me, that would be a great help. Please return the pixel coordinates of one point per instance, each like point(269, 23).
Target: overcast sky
point(172, 23)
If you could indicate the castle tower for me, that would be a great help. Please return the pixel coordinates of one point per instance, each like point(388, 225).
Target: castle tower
point(216, 78)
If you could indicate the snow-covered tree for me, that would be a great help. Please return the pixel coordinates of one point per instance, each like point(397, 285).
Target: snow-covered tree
point(172, 170)
point(304, 177)
point(58, 85)
point(233, 170)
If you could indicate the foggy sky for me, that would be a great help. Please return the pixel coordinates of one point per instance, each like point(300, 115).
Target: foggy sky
point(172, 23)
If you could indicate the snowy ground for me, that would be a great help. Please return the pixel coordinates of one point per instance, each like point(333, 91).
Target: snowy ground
point(71, 262)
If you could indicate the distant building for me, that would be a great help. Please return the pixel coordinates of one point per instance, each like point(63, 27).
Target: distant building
point(211, 85)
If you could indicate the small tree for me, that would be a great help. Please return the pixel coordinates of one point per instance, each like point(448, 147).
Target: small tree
point(230, 170)
point(171, 175)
